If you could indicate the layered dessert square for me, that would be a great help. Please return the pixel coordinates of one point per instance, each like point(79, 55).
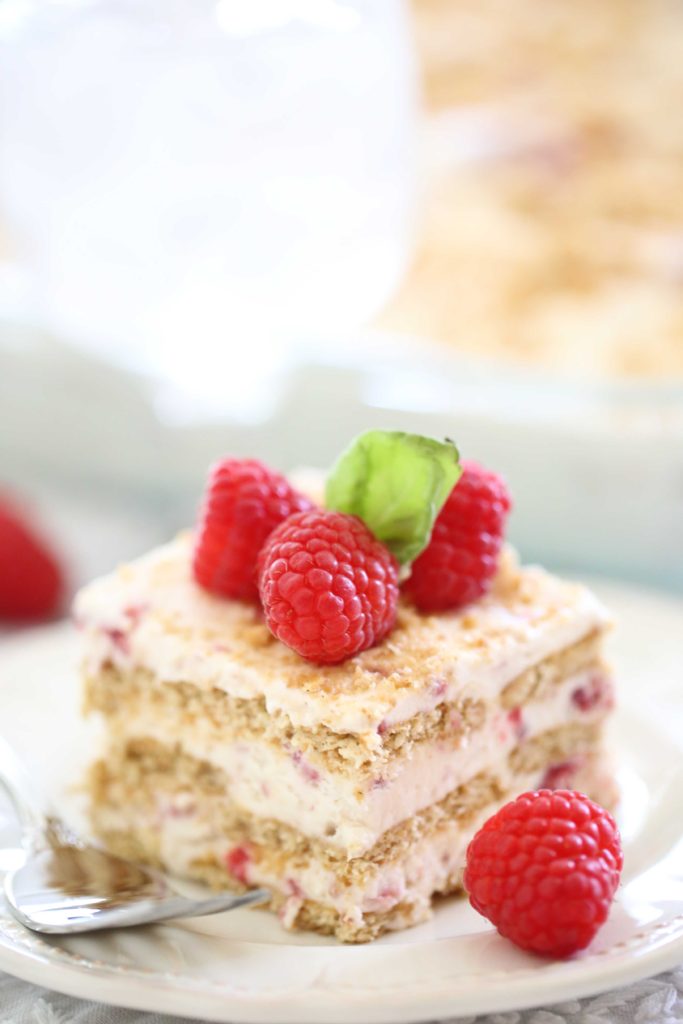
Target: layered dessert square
point(350, 790)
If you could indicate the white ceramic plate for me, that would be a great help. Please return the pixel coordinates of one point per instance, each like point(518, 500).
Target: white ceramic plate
point(244, 967)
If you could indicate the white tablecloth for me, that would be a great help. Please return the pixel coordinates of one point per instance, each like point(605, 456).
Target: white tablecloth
point(655, 1001)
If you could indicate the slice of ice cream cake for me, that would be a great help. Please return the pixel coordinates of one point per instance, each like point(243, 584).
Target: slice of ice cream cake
point(351, 790)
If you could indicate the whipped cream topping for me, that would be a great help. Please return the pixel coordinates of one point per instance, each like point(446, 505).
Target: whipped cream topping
point(152, 614)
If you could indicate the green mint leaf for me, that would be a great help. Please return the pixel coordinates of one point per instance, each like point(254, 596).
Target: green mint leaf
point(396, 483)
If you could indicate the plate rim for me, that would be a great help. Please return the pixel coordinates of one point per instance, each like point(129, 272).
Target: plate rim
point(173, 993)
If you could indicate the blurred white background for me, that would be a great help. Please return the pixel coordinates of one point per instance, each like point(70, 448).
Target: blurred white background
point(191, 183)
point(205, 204)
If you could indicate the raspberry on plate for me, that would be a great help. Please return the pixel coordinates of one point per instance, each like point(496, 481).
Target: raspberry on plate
point(461, 558)
point(31, 579)
point(243, 503)
point(329, 588)
point(544, 870)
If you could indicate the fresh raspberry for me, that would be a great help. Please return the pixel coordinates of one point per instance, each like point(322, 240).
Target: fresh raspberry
point(31, 579)
point(461, 558)
point(243, 503)
point(544, 870)
point(329, 588)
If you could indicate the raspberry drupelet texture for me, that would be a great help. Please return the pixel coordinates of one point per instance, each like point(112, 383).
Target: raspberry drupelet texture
point(329, 588)
point(243, 503)
point(461, 558)
point(544, 870)
point(31, 579)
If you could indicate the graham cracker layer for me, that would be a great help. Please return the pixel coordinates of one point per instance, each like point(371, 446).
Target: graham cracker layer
point(311, 915)
point(136, 776)
point(539, 680)
point(122, 696)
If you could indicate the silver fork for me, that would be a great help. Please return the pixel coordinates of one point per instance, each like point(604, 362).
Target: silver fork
point(66, 885)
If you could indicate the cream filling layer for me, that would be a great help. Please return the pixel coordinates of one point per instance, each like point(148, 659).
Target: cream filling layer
point(429, 865)
point(291, 787)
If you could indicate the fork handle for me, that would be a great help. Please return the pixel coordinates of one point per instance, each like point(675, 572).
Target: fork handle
point(16, 784)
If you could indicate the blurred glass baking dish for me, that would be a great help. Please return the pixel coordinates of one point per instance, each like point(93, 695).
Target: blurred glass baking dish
point(596, 470)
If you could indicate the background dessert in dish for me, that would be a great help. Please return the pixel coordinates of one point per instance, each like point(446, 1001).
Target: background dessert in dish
point(552, 225)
